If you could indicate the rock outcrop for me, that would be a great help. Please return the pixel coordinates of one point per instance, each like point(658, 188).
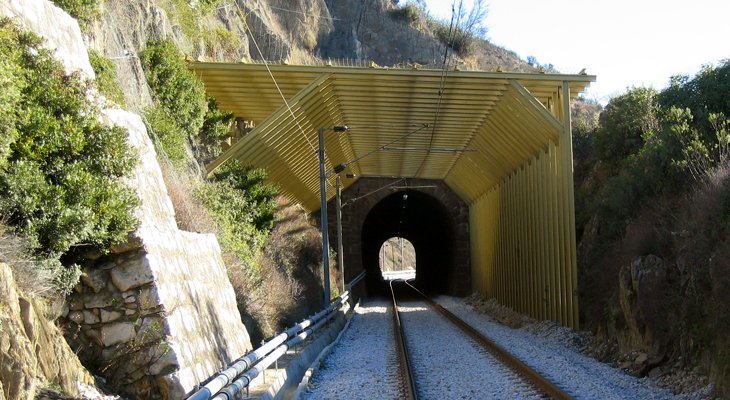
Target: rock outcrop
point(644, 299)
point(33, 351)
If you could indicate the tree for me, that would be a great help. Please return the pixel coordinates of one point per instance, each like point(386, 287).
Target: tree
point(466, 24)
point(624, 123)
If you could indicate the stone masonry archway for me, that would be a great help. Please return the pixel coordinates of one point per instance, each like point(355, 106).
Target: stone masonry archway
point(435, 220)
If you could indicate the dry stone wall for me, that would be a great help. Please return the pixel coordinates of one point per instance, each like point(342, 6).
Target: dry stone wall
point(158, 315)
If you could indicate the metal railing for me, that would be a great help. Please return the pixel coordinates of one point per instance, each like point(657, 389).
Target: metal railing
point(230, 381)
point(355, 281)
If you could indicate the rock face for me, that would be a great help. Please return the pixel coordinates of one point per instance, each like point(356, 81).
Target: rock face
point(158, 315)
point(32, 350)
point(644, 299)
point(36, 16)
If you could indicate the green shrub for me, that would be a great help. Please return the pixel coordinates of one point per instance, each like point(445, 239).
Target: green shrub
point(106, 77)
point(243, 207)
point(410, 13)
point(216, 128)
point(174, 86)
point(183, 117)
point(62, 172)
point(623, 124)
point(453, 37)
point(170, 140)
point(250, 182)
point(83, 10)
point(704, 94)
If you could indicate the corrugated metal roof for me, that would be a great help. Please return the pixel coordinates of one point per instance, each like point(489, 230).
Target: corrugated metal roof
point(468, 128)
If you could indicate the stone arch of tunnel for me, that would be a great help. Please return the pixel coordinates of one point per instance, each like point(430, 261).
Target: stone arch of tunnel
point(435, 221)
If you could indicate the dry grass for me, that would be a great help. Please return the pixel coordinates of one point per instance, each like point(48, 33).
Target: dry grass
point(32, 279)
point(290, 269)
point(190, 214)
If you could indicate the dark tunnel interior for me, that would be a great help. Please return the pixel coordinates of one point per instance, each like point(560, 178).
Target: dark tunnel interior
point(426, 223)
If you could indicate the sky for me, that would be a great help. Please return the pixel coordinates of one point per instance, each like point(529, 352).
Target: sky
point(625, 43)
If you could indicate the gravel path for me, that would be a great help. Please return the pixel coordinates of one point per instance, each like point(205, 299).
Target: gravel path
point(448, 365)
point(361, 363)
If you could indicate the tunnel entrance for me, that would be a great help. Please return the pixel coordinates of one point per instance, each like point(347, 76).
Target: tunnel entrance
point(423, 221)
point(435, 220)
point(397, 259)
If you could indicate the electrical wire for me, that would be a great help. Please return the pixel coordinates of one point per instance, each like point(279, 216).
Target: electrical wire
point(423, 126)
point(442, 83)
point(278, 89)
point(354, 199)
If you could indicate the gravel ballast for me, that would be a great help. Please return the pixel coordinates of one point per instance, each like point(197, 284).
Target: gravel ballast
point(360, 365)
point(449, 366)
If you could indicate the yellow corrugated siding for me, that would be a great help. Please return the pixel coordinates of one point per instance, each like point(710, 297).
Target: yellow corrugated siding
point(520, 254)
point(510, 156)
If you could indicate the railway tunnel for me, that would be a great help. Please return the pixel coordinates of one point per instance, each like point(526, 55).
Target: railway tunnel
point(425, 212)
point(496, 145)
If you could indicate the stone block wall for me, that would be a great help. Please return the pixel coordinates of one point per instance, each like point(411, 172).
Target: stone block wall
point(158, 316)
point(369, 192)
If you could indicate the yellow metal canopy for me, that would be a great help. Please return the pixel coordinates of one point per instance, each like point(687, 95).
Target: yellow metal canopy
point(468, 128)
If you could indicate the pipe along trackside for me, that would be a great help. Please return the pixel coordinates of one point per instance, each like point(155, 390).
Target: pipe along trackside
point(227, 383)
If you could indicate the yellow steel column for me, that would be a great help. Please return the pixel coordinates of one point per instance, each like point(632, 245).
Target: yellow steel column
point(530, 248)
point(476, 261)
point(514, 227)
point(546, 263)
point(519, 214)
point(509, 253)
point(539, 259)
point(534, 240)
point(554, 237)
point(524, 189)
point(494, 207)
point(504, 242)
point(569, 187)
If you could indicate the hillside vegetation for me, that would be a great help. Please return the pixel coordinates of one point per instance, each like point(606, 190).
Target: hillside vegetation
point(653, 217)
point(61, 170)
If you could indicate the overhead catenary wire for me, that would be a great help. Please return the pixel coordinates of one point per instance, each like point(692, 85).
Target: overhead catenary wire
point(278, 89)
point(354, 199)
point(382, 147)
point(442, 83)
point(276, 84)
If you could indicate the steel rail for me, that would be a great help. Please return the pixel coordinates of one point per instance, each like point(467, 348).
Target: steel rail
point(532, 376)
point(408, 383)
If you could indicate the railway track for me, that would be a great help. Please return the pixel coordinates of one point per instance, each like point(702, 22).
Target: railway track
point(415, 383)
